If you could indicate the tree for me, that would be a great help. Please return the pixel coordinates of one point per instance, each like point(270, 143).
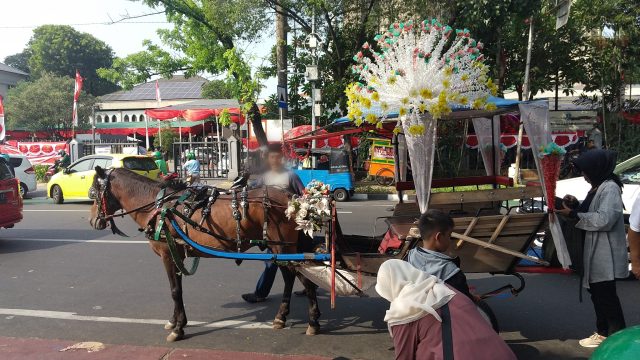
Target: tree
point(168, 136)
point(46, 104)
point(217, 89)
point(60, 50)
point(206, 35)
point(18, 61)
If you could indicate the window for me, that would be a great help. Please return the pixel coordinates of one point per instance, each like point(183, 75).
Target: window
point(134, 118)
point(114, 118)
point(84, 165)
point(126, 118)
point(139, 163)
point(16, 162)
point(104, 163)
point(141, 118)
point(5, 172)
point(631, 175)
point(98, 118)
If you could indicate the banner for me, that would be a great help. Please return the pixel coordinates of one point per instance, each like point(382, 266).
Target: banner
point(42, 152)
point(76, 96)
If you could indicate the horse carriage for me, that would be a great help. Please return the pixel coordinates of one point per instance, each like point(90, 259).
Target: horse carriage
point(492, 230)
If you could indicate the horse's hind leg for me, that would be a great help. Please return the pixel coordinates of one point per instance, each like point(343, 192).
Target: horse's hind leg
point(314, 310)
point(289, 278)
point(179, 318)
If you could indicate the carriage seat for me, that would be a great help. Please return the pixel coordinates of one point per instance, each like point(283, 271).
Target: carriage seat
point(400, 227)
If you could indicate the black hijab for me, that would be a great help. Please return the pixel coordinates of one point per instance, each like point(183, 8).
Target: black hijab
point(598, 166)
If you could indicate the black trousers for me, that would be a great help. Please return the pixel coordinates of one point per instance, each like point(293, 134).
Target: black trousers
point(609, 316)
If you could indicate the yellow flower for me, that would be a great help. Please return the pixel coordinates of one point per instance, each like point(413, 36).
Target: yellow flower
point(384, 106)
point(452, 97)
point(379, 125)
point(426, 93)
point(446, 83)
point(464, 77)
point(463, 100)
point(366, 103)
point(491, 107)
point(422, 107)
point(478, 103)
point(372, 118)
point(375, 96)
point(397, 130)
point(358, 121)
point(403, 111)
point(416, 130)
point(404, 101)
point(392, 80)
point(448, 71)
point(374, 80)
point(413, 93)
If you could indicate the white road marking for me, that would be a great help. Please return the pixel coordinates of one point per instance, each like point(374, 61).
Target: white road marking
point(344, 212)
point(62, 315)
point(96, 241)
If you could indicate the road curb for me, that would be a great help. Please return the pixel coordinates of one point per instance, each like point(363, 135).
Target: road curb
point(388, 197)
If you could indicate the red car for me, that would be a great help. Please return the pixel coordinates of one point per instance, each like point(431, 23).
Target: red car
point(10, 199)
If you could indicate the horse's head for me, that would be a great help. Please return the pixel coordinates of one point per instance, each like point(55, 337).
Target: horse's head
point(104, 204)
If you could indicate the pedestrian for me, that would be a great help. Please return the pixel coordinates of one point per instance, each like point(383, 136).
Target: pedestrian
point(633, 237)
point(435, 230)
point(429, 320)
point(192, 168)
point(605, 259)
point(595, 136)
point(162, 165)
point(276, 175)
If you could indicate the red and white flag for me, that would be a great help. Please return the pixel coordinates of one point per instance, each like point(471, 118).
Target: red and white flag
point(76, 95)
point(158, 97)
point(2, 130)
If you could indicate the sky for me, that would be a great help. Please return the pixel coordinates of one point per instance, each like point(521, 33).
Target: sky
point(20, 17)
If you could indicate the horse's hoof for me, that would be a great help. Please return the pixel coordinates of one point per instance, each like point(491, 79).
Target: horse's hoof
point(175, 336)
point(278, 324)
point(169, 326)
point(312, 330)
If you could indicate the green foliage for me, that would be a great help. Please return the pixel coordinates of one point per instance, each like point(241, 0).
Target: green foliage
point(41, 171)
point(225, 118)
point(18, 61)
point(45, 104)
point(217, 89)
point(60, 50)
point(168, 138)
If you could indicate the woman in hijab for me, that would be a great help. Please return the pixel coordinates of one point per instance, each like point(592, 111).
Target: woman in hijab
point(428, 320)
point(600, 215)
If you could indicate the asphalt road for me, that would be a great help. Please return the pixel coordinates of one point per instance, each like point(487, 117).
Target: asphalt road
point(59, 279)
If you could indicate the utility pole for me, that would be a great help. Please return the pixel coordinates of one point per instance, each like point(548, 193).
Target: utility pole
point(526, 88)
point(281, 50)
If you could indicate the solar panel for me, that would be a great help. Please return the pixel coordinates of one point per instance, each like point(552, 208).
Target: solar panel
point(177, 88)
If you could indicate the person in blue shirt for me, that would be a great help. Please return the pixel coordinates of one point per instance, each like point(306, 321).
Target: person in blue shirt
point(192, 168)
point(435, 229)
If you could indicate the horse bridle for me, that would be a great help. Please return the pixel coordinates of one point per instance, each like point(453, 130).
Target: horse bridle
point(102, 199)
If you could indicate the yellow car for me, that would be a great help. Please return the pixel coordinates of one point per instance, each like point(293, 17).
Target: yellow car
point(74, 182)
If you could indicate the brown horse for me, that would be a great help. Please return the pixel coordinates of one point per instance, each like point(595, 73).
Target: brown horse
point(123, 189)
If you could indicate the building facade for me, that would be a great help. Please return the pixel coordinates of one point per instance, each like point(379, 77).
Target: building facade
point(10, 77)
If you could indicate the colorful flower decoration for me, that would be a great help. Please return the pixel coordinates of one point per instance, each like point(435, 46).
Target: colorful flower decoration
point(425, 67)
point(311, 209)
point(551, 149)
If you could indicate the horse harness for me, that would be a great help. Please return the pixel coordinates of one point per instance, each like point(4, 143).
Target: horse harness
point(202, 197)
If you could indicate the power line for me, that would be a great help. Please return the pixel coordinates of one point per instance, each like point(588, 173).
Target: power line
point(86, 24)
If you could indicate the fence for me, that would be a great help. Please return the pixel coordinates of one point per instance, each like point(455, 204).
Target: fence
point(212, 155)
point(104, 147)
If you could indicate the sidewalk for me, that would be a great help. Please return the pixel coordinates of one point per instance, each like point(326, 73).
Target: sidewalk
point(40, 349)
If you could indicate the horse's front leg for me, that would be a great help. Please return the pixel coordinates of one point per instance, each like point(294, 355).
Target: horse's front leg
point(179, 318)
point(314, 310)
point(289, 278)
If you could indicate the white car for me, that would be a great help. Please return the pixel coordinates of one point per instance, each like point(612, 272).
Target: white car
point(629, 172)
point(24, 172)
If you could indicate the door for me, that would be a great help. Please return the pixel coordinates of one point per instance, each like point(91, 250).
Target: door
point(631, 179)
point(78, 179)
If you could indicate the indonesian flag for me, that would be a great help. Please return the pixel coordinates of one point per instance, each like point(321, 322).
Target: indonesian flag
point(76, 95)
point(2, 130)
point(158, 98)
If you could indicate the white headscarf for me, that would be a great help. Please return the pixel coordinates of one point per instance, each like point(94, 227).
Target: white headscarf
point(412, 293)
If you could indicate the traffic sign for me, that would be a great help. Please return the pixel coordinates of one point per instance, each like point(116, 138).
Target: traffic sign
point(282, 97)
